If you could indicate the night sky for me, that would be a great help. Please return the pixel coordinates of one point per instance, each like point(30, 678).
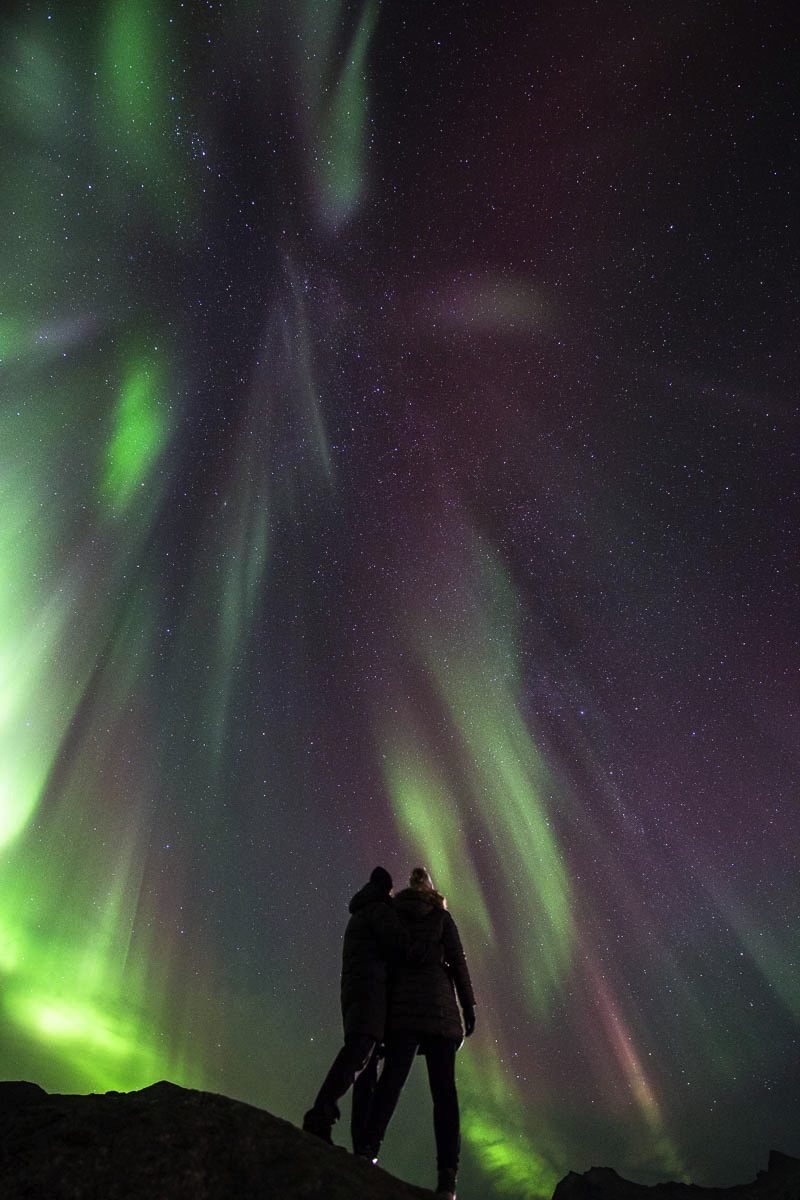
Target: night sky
point(399, 437)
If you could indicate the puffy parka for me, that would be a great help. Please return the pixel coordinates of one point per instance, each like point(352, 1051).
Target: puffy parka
point(423, 997)
point(374, 936)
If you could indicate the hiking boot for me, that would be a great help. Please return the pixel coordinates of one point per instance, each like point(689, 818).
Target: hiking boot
point(446, 1185)
point(370, 1153)
point(318, 1124)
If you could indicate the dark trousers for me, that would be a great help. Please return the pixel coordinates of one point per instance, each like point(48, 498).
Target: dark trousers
point(352, 1059)
point(363, 1093)
point(440, 1059)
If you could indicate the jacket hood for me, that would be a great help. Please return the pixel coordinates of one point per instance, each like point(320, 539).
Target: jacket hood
point(415, 905)
point(370, 893)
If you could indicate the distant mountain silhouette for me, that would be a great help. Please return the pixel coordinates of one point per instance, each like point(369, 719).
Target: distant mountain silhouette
point(170, 1143)
point(781, 1181)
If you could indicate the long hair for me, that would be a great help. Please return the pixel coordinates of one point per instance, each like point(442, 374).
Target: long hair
point(421, 881)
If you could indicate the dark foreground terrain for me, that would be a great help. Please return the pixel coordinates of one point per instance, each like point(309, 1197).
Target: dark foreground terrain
point(781, 1181)
point(168, 1143)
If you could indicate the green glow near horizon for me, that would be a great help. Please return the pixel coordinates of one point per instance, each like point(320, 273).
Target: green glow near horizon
point(93, 1007)
point(87, 989)
point(83, 992)
point(509, 1159)
point(497, 1122)
point(99, 989)
point(88, 975)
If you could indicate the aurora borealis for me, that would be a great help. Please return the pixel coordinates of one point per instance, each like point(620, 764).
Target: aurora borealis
point(399, 446)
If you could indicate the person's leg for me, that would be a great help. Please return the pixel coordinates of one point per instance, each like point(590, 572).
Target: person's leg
point(363, 1092)
point(349, 1062)
point(440, 1058)
point(400, 1051)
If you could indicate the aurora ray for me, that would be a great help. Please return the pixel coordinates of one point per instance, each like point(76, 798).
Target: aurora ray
point(397, 463)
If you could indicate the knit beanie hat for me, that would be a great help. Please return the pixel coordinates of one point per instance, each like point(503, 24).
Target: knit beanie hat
point(382, 878)
point(421, 880)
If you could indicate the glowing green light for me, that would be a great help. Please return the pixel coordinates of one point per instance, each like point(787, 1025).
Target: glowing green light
point(85, 984)
point(133, 53)
point(86, 991)
point(766, 949)
point(109, 1049)
point(510, 1160)
point(140, 429)
point(474, 665)
point(68, 1023)
point(428, 816)
point(136, 120)
point(480, 786)
point(30, 633)
point(12, 337)
point(496, 1123)
point(341, 108)
point(11, 950)
point(19, 794)
point(246, 536)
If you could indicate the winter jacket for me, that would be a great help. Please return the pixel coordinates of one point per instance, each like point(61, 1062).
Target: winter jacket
point(374, 935)
point(423, 998)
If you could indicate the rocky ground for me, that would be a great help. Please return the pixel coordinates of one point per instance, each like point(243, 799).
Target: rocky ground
point(169, 1143)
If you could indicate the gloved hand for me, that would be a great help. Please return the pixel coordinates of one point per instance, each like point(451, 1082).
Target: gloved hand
point(469, 1020)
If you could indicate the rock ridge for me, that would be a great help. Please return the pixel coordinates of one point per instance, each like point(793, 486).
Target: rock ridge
point(166, 1142)
point(171, 1143)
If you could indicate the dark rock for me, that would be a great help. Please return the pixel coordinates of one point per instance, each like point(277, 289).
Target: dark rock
point(168, 1143)
point(16, 1093)
point(781, 1181)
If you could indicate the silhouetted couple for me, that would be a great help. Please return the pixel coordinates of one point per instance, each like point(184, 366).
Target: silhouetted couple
point(402, 968)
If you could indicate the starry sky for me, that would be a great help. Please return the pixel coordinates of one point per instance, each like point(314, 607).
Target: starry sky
point(399, 442)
